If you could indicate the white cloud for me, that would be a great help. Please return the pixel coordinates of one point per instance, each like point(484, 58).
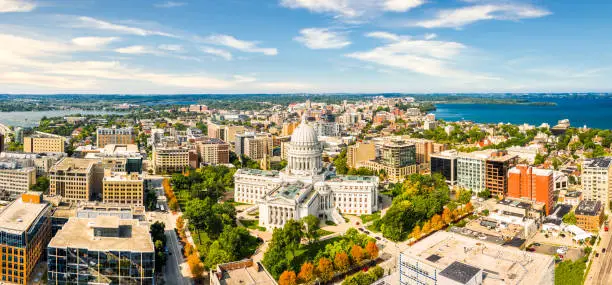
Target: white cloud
point(217, 52)
point(402, 5)
point(89, 22)
point(320, 38)
point(244, 79)
point(433, 58)
point(430, 36)
point(9, 6)
point(93, 42)
point(351, 9)
point(136, 50)
point(457, 18)
point(245, 46)
point(169, 4)
point(173, 48)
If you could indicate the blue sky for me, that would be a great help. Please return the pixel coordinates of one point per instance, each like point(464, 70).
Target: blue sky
point(313, 46)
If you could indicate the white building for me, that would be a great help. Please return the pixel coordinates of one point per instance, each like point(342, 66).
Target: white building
point(305, 187)
point(596, 179)
point(471, 170)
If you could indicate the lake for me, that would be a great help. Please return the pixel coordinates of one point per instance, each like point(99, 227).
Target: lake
point(31, 119)
point(592, 112)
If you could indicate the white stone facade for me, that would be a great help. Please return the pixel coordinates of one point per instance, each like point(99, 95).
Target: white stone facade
point(305, 187)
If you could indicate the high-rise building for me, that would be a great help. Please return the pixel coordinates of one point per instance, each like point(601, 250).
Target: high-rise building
point(471, 170)
point(119, 157)
point(114, 135)
point(258, 146)
point(532, 183)
point(76, 179)
point(42, 161)
point(597, 179)
point(497, 166)
point(395, 158)
point(25, 230)
point(123, 188)
point(16, 175)
point(169, 158)
point(288, 128)
point(445, 163)
point(43, 142)
point(239, 144)
point(213, 151)
point(103, 250)
point(224, 132)
point(359, 152)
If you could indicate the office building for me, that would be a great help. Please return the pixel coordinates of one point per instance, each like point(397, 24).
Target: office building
point(41, 161)
point(327, 129)
point(360, 152)
point(445, 163)
point(597, 179)
point(449, 258)
point(289, 127)
point(169, 158)
point(532, 183)
point(213, 152)
point(198, 108)
point(16, 175)
point(394, 157)
point(119, 157)
point(43, 142)
point(25, 230)
point(240, 141)
point(76, 179)
point(224, 132)
point(471, 170)
point(589, 215)
point(122, 188)
point(258, 146)
point(496, 177)
point(103, 250)
point(114, 135)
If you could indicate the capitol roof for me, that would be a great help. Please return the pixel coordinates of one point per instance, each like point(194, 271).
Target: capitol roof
point(304, 134)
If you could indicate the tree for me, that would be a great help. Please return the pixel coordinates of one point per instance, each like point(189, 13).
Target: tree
point(287, 278)
point(357, 253)
point(416, 232)
point(173, 204)
point(195, 265)
point(426, 228)
point(325, 270)
point(157, 230)
point(41, 185)
point(311, 227)
point(216, 255)
point(570, 218)
point(468, 207)
point(372, 250)
point(436, 222)
point(341, 261)
point(180, 222)
point(570, 272)
point(447, 217)
point(464, 196)
point(485, 194)
point(306, 273)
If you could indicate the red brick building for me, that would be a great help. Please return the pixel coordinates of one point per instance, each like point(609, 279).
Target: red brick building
point(531, 183)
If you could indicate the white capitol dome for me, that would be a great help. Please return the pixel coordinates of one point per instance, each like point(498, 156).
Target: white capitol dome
point(304, 134)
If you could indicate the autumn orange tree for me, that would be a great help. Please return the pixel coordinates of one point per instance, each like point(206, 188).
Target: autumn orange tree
point(195, 265)
point(341, 261)
point(357, 253)
point(287, 278)
point(325, 270)
point(306, 273)
point(447, 217)
point(468, 207)
point(436, 222)
point(372, 250)
point(426, 228)
point(180, 223)
point(416, 232)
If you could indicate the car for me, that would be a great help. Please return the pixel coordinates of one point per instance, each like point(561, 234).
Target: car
point(561, 251)
point(378, 238)
point(606, 228)
point(603, 250)
point(531, 249)
point(597, 254)
point(537, 244)
point(356, 223)
point(367, 232)
point(169, 253)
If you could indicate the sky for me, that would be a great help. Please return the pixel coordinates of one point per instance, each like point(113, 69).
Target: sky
point(304, 46)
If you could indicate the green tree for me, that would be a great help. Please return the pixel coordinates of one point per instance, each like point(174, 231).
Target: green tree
point(41, 185)
point(570, 218)
point(570, 272)
point(311, 228)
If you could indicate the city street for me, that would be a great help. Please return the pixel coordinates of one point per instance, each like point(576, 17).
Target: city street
point(175, 271)
point(601, 268)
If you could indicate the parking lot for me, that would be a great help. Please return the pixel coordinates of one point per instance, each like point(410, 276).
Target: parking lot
point(570, 253)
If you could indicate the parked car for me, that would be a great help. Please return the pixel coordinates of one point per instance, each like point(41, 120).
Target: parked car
point(531, 249)
point(603, 250)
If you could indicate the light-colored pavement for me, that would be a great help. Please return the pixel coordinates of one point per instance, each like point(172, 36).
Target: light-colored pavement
point(176, 270)
point(601, 268)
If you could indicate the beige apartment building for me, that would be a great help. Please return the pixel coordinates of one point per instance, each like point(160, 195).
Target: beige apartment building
point(224, 132)
point(169, 158)
point(75, 179)
point(258, 146)
point(16, 178)
point(360, 152)
point(213, 151)
point(42, 142)
point(114, 135)
point(123, 188)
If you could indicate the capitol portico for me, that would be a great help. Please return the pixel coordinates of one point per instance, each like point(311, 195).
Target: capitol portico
point(305, 187)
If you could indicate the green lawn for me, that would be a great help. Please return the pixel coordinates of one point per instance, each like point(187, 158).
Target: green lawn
point(372, 228)
point(252, 224)
point(369, 218)
point(323, 232)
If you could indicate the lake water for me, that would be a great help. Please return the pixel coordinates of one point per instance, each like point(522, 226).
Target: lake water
point(592, 112)
point(31, 119)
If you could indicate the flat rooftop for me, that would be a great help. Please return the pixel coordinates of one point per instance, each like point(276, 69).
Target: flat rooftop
point(71, 164)
point(258, 172)
point(243, 272)
point(352, 178)
point(588, 208)
point(291, 190)
point(78, 233)
point(443, 249)
point(599, 162)
point(19, 215)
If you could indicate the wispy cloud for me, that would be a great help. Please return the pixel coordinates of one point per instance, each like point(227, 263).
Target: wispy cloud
point(457, 18)
point(93, 23)
point(352, 9)
point(322, 38)
point(218, 52)
point(245, 46)
point(12, 6)
point(137, 49)
point(173, 48)
point(429, 57)
point(244, 79)
point(93, 42)
point(169, 4)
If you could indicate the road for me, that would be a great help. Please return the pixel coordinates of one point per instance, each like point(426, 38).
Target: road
point(175, 265)
point(602, 265)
